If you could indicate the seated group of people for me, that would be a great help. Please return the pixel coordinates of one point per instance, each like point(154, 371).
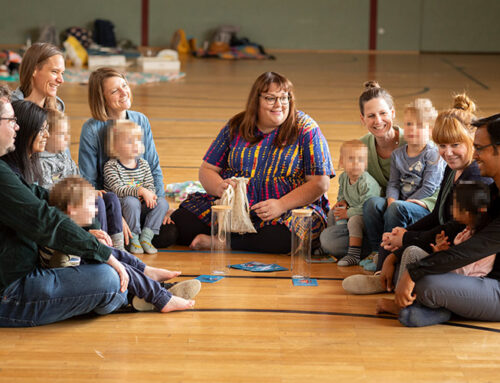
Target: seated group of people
point(401, 198)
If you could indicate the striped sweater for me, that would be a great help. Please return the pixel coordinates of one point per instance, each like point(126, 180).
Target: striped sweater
point(125, 181)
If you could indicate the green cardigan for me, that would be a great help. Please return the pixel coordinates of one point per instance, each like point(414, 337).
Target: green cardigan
point(380, 168)
point(28, 221)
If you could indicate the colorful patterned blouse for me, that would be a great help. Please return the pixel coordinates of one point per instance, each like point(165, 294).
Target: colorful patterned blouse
point(273, 171)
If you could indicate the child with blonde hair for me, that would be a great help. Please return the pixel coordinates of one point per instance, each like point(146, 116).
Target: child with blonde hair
point(129, 177)
point(356, 185)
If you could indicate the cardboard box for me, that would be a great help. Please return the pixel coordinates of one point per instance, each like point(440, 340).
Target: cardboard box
point(158, 64)
point(97, 61)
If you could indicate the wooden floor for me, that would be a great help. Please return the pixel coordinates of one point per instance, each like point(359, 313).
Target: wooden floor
point(259, 328)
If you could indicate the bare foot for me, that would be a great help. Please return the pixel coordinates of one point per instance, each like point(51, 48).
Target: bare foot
point(178, 304)
point(201, 242)
point(160, 275)
point(385, 305)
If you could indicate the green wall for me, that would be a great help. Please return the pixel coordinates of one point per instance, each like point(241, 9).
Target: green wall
point(415, 25)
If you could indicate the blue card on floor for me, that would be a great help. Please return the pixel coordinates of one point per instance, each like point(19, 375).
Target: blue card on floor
point(305, 282)
point(259, 266)
point(209, 278)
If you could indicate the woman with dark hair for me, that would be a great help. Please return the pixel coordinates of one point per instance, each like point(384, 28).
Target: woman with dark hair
point(31, 140)
point(286, 158)
point(40, 76)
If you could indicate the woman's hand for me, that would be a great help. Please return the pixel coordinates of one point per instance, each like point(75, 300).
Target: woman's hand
point(269, 209)
point(148, 197)
point(404, 291)
point(387, 272)
point(223, 185)
point(463, 236)
point(393, 240)
point(127, 234)
point(418, 202)
point(122, 273)
point(102, 237)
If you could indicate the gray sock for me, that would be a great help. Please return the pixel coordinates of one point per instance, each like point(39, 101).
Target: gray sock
point(117, 240)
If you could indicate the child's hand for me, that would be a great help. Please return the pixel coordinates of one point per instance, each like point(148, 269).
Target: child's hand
point(167, 220)
point(102, 237)
point(100, 193)
point(148, 197)
point(340, 203)
point(122, 273)
point(441, 242)
point(417, 202)
point(463, 236)
point(340, 212)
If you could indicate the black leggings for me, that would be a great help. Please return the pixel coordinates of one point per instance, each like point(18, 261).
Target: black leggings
point(274, 239)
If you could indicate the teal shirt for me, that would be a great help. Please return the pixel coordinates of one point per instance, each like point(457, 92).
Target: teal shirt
point(356, 194)
point(27, 221)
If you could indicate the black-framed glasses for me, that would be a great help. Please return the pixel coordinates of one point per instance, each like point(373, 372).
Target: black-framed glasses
point(12, 120)
point(480, 148)
point(271, 100)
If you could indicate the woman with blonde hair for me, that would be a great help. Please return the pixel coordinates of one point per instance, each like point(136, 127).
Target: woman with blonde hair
point(40, 76)
point(454, 136)
point(285, 157)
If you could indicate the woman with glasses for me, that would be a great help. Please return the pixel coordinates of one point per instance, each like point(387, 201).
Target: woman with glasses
point(30, 140)
point(110, 98)
point(41, 75)
point(286, 158)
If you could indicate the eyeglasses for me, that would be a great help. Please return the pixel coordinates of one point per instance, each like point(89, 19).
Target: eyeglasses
point(271, 100)
point(43, 131)
point(12, 120)
point(480, 148)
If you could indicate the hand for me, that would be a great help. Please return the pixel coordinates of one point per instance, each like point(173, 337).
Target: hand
point(463, 236)
point(340, 203)
point(100, 193)
point(223, 185)
point(340, 212)
point(122, 273)
point(390, 200)
point(148, 197)
point(441, 242)
point(418, 202)
point(269, 209)
point(387, 273)
point(404, 291)
point(102, 237)
point(393, 240)
point(167, 219)
point(127, 234)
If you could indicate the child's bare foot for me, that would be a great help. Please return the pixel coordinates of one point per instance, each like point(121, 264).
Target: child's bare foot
point(201, 242)
point(385, 305)
point(178, 304)
point(160, 275)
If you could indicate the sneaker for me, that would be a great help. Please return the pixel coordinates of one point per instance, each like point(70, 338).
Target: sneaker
point(361, 284)
point(186, 289)
point(140, 304)
point(370, 266)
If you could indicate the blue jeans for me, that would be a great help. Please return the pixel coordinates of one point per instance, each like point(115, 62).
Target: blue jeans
point(51, 295)
point(136, 212)
point(380, 219)
point(109, 213)
point(140, 284)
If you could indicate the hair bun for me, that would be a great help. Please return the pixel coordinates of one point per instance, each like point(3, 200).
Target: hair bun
point(371, 84)
point(463, 102)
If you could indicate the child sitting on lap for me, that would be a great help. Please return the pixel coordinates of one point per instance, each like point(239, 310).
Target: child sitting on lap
point(76, 197)
point(356, 185)
point(129, 177)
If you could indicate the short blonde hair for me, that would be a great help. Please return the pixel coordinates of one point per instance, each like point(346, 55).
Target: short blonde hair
point(454, 125)
point(97, 102)
point(423, 110)
point(352, 144)
point(118, 127)
point(72, 191)
point(55, 116)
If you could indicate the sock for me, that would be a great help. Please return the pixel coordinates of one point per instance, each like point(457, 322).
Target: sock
point(145, 239)
point(134, 245)
point(418, 315)
point(118, 241)
point(352, 258)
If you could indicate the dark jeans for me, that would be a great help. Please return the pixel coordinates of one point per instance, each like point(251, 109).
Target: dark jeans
point(274, 239)
point(109, 213)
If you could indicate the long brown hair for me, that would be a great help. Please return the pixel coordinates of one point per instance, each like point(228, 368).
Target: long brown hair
point(245, 122)
point(374, 90)
point(34, 58)
point(97, 102)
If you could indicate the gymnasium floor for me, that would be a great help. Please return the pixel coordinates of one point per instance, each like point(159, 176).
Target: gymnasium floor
point(259, 328)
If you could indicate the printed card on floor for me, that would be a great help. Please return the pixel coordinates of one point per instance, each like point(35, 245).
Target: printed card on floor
point(305, 282)
point(258, 267)
point(209, 278)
